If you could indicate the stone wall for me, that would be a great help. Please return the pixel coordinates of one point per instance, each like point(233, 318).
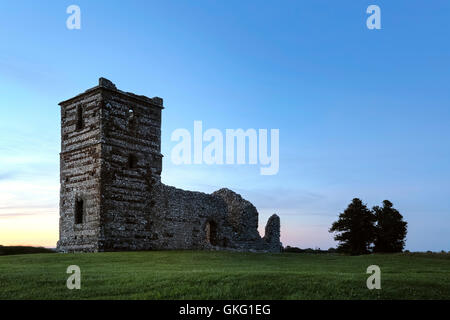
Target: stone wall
point(80, 162)
point(113, 164)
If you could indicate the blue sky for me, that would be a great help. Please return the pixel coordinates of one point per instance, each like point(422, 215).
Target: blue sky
point(361, 113)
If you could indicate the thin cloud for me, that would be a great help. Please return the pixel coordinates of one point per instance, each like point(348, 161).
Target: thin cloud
point(17, 215)
point(41, 206)
point(8, 175)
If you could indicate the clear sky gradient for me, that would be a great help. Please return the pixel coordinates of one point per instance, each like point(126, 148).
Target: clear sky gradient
point(362, 113)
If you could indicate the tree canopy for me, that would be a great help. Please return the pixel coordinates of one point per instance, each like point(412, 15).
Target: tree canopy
point(358, 227)
point(390, 229)
point(355, 228)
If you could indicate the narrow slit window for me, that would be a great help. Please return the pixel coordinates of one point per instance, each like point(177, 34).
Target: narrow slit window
point(132, 119)
point(132, 161)
point(79, 209)
point(80, 120)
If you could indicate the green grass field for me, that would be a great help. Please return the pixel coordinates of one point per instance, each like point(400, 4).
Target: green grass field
point(224, 275)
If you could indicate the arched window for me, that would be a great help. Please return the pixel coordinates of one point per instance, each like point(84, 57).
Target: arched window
point(211, 233)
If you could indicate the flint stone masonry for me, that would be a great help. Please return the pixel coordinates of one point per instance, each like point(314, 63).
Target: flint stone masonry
point(112, 197)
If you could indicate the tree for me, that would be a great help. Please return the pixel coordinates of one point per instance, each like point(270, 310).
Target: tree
point(355, 229)
point(390, 229)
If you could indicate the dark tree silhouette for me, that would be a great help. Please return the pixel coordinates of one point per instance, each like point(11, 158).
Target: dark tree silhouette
point(390, 229)
point(355, 229)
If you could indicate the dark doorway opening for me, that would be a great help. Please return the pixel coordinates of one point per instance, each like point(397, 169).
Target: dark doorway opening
point(211, 233)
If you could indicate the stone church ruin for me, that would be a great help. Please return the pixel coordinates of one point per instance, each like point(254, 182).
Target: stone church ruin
point(112, 197)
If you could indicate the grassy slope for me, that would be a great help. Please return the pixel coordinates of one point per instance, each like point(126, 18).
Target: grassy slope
point(223, 275)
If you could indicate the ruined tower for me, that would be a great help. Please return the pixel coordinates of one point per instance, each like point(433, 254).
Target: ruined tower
point(110, 146)
point(111, 195)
